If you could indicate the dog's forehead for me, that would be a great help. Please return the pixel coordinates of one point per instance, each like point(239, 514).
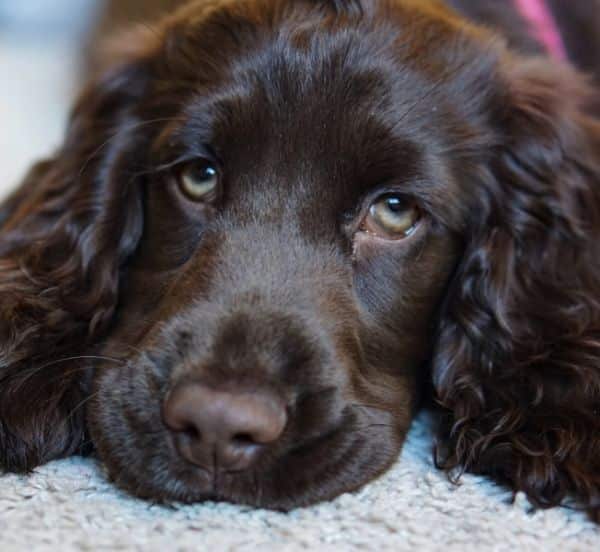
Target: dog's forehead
point(296, 98)
point(326, 134)
point(297, 56)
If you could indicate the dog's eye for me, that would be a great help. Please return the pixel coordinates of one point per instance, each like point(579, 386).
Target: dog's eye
point(391, 217)
point(199, 180)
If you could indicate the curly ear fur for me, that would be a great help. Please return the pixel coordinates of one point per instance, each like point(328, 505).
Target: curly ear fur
point(65, 235)
point(517, 364)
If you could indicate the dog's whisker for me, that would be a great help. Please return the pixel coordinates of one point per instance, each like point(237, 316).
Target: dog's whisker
point(81, 404)
point(366, 407)
point(24, 376)
point(121, 131)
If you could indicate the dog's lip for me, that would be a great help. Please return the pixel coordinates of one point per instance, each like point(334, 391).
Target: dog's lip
point(311, 443)
point(197, 483)
point(305, 446)
point(251, 487)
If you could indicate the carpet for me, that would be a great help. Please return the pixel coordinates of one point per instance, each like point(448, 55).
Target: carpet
point(69, 505)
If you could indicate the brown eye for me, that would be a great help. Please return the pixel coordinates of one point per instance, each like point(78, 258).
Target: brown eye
point(392, 217)
point(199, 180)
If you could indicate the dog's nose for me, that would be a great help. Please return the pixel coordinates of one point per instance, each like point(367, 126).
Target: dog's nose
point(222, 429)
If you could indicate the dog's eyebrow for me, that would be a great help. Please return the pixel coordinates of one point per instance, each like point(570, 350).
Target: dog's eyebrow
point(199, 114)
point(177, 143)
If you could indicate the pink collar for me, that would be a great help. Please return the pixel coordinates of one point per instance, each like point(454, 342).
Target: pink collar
point(544, 26)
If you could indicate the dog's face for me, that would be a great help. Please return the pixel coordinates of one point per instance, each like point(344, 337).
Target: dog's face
point(299, 232)
point(273, 224)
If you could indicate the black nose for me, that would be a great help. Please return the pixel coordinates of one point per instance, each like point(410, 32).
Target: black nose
point(222, 429)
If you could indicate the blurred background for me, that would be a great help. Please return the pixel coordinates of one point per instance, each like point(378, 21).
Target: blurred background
point(40, 47)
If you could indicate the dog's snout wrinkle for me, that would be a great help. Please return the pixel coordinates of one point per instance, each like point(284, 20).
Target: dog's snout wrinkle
point(223, 430)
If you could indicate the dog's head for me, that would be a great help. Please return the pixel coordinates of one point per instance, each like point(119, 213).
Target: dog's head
point(268, 221)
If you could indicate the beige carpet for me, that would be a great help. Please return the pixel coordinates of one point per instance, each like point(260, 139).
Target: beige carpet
point(69, 505)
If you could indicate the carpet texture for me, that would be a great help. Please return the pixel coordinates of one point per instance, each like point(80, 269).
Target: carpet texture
point(69, 505)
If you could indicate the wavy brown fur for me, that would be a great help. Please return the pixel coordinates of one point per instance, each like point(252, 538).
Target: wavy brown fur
point(62, 251)
point(101, 260)
point(517, 364)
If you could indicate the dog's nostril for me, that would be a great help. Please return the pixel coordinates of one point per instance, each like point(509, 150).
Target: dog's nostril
point(243, 439)
point(191, 433)
point(223, 427)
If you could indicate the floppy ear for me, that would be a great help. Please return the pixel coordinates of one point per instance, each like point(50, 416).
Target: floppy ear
point(517, 363)
point(65, 237)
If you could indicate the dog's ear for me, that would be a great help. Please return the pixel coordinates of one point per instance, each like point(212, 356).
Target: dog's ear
point(65, 237)
point(517, 363)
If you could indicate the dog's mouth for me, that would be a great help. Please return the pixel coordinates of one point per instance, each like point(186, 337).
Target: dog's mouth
point(276, 440)
point(319, 469)
point(307, 465)
point(250, 487)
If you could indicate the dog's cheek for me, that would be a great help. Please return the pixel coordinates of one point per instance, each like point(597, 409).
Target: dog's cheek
point(399, 286)
point(124, 424)
point(172, 228)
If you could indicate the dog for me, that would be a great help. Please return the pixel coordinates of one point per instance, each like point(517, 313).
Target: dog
point(277, 228)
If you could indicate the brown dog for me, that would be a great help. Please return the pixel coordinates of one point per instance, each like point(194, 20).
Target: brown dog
point(274, 224)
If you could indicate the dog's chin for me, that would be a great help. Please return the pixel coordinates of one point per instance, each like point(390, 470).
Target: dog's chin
point(342, 460)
